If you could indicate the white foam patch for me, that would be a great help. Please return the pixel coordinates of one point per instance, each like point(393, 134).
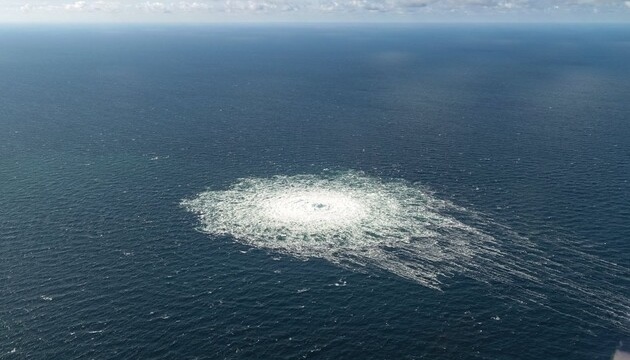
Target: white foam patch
point(344, 218)
point(364, 223)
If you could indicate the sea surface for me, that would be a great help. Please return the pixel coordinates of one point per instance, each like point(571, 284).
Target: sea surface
point(518, 134)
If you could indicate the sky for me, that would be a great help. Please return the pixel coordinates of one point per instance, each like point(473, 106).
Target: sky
point(404, 11)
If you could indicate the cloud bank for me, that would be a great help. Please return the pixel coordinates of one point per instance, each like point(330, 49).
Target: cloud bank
point(316, 10)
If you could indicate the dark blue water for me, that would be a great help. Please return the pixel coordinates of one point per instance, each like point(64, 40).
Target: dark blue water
point(104, 130)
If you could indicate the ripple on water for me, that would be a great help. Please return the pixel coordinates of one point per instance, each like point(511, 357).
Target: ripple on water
point(362, 222)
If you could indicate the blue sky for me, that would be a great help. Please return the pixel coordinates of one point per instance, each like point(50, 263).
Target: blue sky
point(314, 11)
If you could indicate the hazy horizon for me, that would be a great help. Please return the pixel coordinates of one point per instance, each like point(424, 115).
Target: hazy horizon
point(316, 11)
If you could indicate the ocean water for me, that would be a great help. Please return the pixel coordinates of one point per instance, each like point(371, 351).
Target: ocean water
point(325, 192)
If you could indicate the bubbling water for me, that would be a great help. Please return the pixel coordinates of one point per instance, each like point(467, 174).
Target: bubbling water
point(346, 218)
point(320, 207)
point(363, 223)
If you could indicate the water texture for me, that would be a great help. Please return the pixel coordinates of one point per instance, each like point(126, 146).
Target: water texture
point(449, 192)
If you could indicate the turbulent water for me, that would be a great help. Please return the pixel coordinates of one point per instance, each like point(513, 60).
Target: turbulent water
point(346, 218)
point(363, 222)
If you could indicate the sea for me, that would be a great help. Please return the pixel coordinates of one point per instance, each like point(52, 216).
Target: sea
point(322, 191)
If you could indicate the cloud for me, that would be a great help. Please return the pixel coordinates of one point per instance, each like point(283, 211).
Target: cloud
point(323, 9)
point(157, 6)
point(107, 6)
point(193, 6)
point(77, 5)
point(26, 8)
point(93, 6)
point(415, 3)
point(373, 6)
point(261, 6)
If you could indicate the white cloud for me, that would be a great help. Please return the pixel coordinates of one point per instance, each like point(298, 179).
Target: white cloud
point(264, 6)
point(193, 6)
point(180, 10)
point(26, 7)
point(77, 5)
point(329, 6)
point(157, 6)
point(93, 6)
point(107, 6)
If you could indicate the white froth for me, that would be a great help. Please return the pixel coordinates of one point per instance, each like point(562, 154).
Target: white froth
point(345, 218)
point(314, 208)
point(364, 223)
